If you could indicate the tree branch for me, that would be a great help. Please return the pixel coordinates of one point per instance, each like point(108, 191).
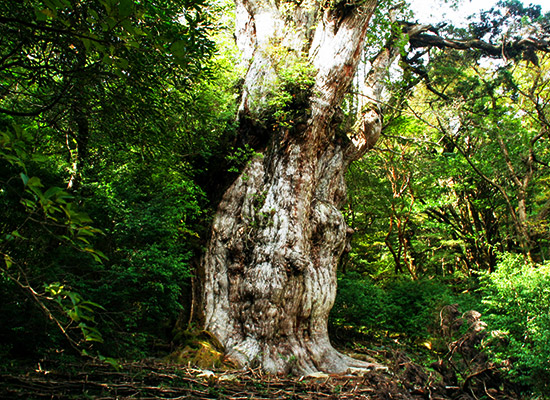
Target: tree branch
point(46, 28)
point(522, 46)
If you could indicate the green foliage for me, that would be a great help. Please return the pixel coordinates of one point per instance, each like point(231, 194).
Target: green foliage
point(80, 311)
point(516, 298)
point(288, 95)
point(117, 126)
point(295, 83)
point(460, 179)
point(151, 217)
point(238, 158)
point(413, 306)
point(41, 230)
point(397, 307)
point(108, 107)
point(360, 304)
point(384, 30)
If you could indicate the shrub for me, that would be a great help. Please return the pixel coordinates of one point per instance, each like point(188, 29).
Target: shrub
point(151, 217)
point(516, 298)
point(413, 306)
point(359, 304)
point(401, 306)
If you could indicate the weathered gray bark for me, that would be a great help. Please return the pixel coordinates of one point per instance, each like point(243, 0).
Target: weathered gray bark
point(270, 266)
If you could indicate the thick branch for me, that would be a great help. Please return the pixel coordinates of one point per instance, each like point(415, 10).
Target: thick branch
point(419, 38)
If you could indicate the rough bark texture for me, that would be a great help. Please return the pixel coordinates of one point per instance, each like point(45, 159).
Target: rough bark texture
point(270, 266)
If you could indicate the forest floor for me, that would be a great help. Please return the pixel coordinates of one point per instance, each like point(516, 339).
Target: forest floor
point(156, 379)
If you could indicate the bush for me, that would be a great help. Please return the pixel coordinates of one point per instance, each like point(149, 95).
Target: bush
point(150, 217)
point(516, 298)
point(401, 306)
point(359, 304)
point(413, 306)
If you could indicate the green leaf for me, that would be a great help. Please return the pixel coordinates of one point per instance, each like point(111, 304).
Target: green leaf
point(127, 25)
point(94, 304)
point(179, 48)
point(87, 44)
point(8, 260)
point(81, 306)
point(86, 231)
point(90, 334)
point(34, 182)
point(55, 289)
point(73, 314)
point(74, 297)
point(107, 4)
point(45, 13)
point(29, 204)
point(125, 8)
point(24, 178)
point(100, 254)
point(96, 254)
point(122, 63)
point(94, 14)
point(111, 361)
point(52, 192)
point(17, 235)
point(39, 158)
point(39, 14)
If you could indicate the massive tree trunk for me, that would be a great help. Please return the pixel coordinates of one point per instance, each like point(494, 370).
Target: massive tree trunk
point(270, 266)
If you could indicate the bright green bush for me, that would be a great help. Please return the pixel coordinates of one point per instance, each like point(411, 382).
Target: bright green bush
point(516, 298)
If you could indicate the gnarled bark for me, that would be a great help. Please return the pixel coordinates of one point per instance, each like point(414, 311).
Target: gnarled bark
point(270, 265)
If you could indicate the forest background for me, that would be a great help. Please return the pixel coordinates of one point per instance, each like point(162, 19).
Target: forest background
point(118, 138)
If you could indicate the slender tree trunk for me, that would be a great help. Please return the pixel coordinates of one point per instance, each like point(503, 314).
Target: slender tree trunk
point(81, 126)
point(79, 153)
point(270, 265)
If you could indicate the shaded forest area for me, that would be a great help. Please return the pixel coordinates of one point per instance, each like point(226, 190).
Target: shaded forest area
point(119, 137)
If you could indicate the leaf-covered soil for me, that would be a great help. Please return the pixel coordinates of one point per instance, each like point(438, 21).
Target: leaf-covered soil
point(154, 379)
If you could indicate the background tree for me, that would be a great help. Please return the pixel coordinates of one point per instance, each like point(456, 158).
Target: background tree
point(469, 129)
point(472, 174)
point(94, 99)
